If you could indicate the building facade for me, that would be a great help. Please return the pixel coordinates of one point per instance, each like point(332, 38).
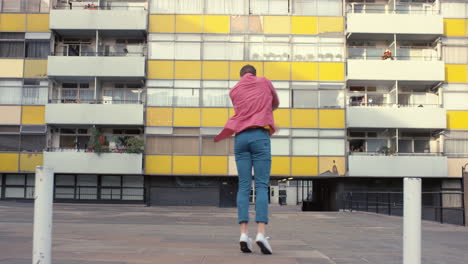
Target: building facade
point(370, 92)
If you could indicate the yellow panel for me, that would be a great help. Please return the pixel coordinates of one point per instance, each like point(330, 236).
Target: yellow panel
point(35, 69)
point(9, 162)
point(38, 22)
point(304, 71)
point(457, 119)
point(216, 24)
point(331, 71)
point(216, 70)
point(454, 27)
point(304, 166)
point(162, 24)
point(331, 118)
point(189, 24)
point(304, 25)
point(330, 24)
point(29, 161)
point(232, 112)
point(188, 69)
point(280, 165)
point(214, 117)
point(156, 116)
point(455, 73)
point(187, 117)
point(332, 166)
point(186, 164)
point(11, 68)
point(12, 22)
point(214, 165)
point(33, 115)
point(278, 70)
point(236, 66)
point(160, 69)
point(282, 118)
point(158, 164)
point(304, 118)
point(277, 24)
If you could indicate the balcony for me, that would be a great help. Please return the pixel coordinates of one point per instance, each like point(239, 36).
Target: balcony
point(423, 20)
point(115, 16)
point(88, 162)
point(397, 117)
point(95, 114)
point(379, 165)
point(99, 66)
point(412, 65)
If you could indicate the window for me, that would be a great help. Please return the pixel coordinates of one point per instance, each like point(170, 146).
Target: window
point(15, 185)
point(35, 92)
point(280, 146)
point(305, 146)
point(186, 97)
point(33, 143)
point(37, 49)
point(160, 97)
point(331, 147)
point(305, 99)
point(216, 97)
point(86, 187)
point(331, 99)
point(318, 7)
point(186, 145)
point(10, 92)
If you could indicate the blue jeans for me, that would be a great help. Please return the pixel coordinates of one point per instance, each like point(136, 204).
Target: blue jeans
point(252, 147)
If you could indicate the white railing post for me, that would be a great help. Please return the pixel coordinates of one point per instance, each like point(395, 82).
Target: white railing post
point(42, 237)
point(412, 221)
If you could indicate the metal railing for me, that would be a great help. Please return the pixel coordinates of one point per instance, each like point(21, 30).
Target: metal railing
point(401, 154)
point(364, 104)
point(93, 193)
point(442, 206)
point(422, 9)
point(90, 51)
point(92, 101)
point(416, 54)
point(90, 5)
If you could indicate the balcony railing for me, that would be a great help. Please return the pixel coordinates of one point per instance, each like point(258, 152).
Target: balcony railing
point(413, 54)
point(90, 5)
point(420, 9)
point(364, 104)
point(90, 50)
point(400, 154)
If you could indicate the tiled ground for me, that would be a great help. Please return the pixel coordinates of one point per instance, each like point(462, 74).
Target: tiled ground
point(134, 234)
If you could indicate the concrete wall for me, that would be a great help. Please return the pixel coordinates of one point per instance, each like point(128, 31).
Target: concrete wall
point(99, 19)
point(96, 66)
point(395, 23)
point(85, 162)
point(396, 70)
point(397, 166)
point(389, 117)
point(95, 114)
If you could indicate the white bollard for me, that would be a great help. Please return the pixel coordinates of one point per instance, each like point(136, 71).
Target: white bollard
point(42, 238)
point(412, 221)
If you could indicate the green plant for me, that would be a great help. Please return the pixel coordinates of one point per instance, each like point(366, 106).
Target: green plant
point(134, 145)
point(97, 142)
point(387, 151)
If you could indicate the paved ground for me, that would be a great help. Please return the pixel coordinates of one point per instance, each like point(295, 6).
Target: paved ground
point(121, 234)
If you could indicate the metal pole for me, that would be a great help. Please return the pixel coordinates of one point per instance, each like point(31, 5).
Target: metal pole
point(42, 238)
point(412, 221)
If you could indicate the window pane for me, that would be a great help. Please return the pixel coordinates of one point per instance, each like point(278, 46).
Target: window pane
point(133, 181)
point(161, 50)
point(110, 181)
point(189, 6)
point(9, 143)
point(375, 145)
point(306, 146)
point(14, 192)
point(11, 49)
point(305, 99)
point(215, 51)
point(160, 97)
point(279, 146)
point(277, 51)
point(33, 143)
point(421, 146)
point(187, 51)
point(186, 97)
point(64, 180)
point(37, 49)
point(305, 7)
point(186, 145)
point(331, 147)
point(304, 52)
point(283, 96)
point(13, 179)
point(216, 97)
point(331, 99)
point(158, 145)
point(209, 147)
point(86, 180)
point(35, 95)
point(163, 6)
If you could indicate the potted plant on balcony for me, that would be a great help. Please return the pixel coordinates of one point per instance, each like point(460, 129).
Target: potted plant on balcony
point(97, 142)
point(134, 145)
point(387, 151)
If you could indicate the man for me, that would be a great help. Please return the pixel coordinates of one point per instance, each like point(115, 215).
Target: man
point(254, 101)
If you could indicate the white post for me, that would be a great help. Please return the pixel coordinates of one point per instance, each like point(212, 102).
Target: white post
point(412, 221)
point(42, 238)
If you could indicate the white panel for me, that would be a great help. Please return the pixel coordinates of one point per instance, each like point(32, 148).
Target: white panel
point(301, 132)
point(396, 70)
point(332, 133)
point(279, 146)
point(105, 163)
point(187, 51)
point(456, 101)
point(388, 117)
point(161, 50)
point(331, 147)
point(158, 130)
point(98, 114)
point(37, 35)
point(306, 146)
point(283, 96)
point(397, 166)
point(115, 19)
point(395, 23)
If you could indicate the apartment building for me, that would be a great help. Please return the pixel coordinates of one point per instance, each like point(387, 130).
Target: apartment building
point(370, 92)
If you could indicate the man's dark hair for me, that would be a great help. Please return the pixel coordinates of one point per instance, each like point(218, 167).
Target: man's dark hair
point(248, 69)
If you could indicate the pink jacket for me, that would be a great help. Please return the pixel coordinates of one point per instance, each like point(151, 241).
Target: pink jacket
point(254, 99)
